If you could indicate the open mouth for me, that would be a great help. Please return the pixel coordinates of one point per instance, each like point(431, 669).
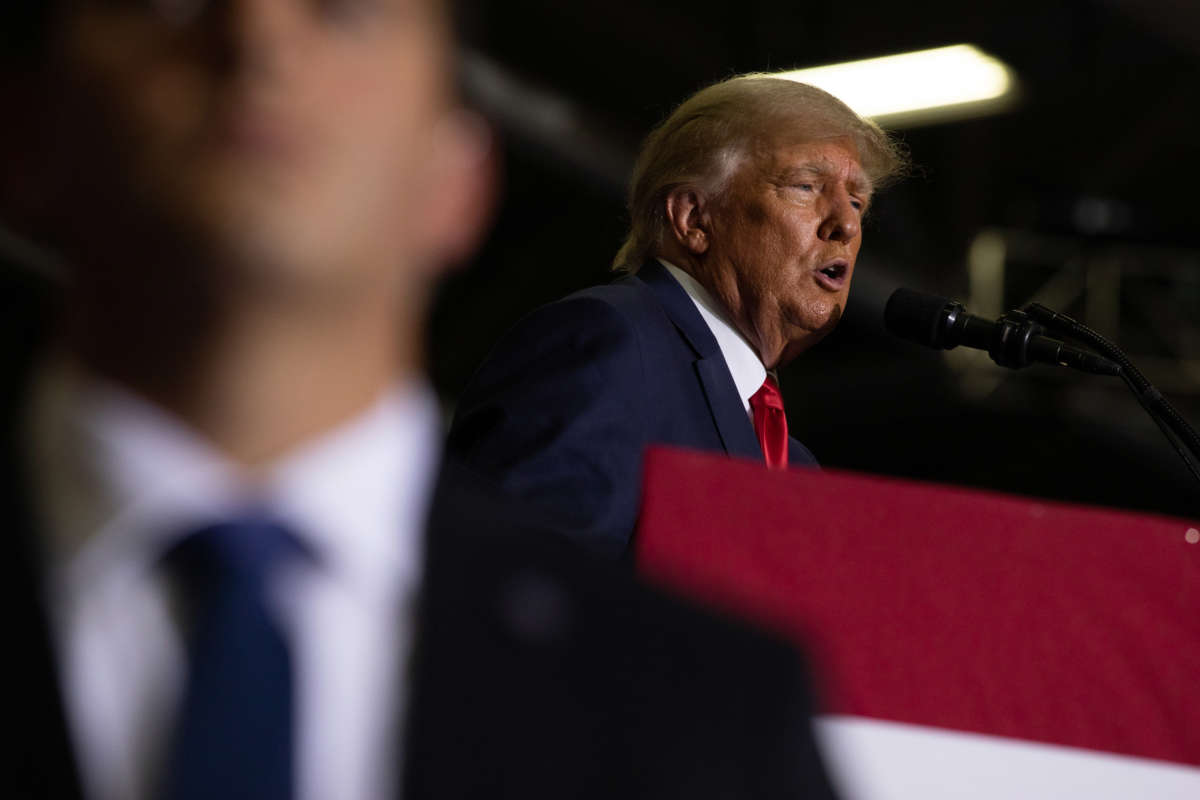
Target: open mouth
point(833, 275)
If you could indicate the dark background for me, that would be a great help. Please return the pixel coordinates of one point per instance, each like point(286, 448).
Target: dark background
point(1088, 184)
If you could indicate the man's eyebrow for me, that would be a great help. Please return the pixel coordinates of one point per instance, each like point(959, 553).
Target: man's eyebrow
point(859, 182)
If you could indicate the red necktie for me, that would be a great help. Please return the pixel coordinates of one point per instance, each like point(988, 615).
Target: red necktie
point(770, 423)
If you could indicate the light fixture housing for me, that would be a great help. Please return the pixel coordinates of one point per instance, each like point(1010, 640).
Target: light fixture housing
point(918, 88)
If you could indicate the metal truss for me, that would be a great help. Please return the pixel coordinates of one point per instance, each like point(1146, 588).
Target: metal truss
point(1144, 297)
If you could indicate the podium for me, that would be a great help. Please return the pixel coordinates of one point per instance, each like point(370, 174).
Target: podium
point(965, 643)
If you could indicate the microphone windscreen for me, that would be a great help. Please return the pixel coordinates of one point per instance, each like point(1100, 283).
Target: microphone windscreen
point(915, 316)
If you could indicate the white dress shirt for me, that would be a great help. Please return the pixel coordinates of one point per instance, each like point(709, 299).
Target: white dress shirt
point(119, 481)
point(744, 364)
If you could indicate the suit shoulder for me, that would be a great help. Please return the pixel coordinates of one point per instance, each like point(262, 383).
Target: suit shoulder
point(594, 326)
point(628, 296)
point(611, 318)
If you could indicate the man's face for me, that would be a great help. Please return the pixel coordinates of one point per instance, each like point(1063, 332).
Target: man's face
point(783, 241)
point(296, 136)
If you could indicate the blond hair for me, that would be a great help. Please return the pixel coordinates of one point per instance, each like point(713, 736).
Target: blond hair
point(706, 137)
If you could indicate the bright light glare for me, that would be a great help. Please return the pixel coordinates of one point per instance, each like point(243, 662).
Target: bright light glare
point(914, 88)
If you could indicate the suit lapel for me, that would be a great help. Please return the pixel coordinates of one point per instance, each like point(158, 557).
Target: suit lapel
point(730, 417)
point(45, 765)
point(724, 403)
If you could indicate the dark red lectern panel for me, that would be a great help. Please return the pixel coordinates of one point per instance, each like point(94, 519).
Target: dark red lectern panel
point(947, 607)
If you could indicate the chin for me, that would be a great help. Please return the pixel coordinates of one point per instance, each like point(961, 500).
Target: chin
point(822, 319)
point(265, 230)
point(258, 221)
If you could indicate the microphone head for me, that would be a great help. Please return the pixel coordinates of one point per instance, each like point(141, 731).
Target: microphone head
point(917, 317)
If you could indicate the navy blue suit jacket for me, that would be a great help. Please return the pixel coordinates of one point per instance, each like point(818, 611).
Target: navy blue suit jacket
point(564, 407)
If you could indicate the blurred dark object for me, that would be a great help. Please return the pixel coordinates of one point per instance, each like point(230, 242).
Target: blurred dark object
point(578, 686)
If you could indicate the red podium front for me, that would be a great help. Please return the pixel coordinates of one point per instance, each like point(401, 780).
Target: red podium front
point(931, 611)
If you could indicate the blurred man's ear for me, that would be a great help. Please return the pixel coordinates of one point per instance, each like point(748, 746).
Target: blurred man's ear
point(462, 196)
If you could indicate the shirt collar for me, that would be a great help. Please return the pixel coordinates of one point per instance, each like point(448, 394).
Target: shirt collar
point(361, 493)
point(119, 479)
point(744, 364)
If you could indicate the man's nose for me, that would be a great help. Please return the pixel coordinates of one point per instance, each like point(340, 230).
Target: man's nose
point(841, 220)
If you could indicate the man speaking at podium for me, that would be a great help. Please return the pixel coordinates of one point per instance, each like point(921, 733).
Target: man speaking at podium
point(746, 210)
point(237, 567)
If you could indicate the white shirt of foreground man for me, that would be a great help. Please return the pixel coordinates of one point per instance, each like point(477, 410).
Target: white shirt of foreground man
point(357, 496)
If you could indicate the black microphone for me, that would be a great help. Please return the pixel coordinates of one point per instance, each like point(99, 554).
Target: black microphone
point(1014, 340)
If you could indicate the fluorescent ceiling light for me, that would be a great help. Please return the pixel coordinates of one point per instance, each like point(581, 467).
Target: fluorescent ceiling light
point(918, 88)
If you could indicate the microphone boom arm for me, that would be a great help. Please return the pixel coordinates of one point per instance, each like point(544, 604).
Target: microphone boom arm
point(1179, 433)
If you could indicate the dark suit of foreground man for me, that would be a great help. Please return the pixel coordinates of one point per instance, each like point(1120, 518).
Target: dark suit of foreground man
point(746, 207)
point(242, 568)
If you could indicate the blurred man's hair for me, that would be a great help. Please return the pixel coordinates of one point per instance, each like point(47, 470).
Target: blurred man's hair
point(26, 25)
point(707, 136)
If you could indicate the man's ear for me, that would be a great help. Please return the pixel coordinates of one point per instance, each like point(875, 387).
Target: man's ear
point(687, 218)
point(462, 196)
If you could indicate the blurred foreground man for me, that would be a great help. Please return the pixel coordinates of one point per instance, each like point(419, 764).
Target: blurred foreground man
point(240, 570)
point(746, 206)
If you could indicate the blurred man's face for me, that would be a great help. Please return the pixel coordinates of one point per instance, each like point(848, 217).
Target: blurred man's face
point(784, 239)
point(296, 136)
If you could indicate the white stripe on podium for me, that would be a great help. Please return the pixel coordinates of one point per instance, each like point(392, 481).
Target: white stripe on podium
point(875, 760)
